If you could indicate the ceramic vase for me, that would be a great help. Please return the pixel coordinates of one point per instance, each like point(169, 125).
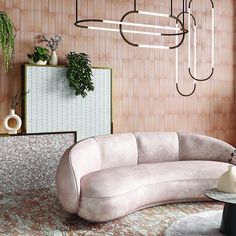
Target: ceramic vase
point(12, 115)
point(53, 59)
point(227, 182)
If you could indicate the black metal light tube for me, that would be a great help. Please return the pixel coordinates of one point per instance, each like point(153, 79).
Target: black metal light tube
point(135, 5)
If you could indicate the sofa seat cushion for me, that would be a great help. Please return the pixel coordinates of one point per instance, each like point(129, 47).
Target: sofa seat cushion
point(117, 191)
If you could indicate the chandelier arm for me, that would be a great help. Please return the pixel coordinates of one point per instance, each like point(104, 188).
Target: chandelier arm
point(78, 22)
point(76, 10)
point(186, 12)
point(186, 95)
point(184, 31)
point(121, 28)
point(177, 34)
point(177, 72)
point(212, 4)
point(193, 76)
point(135, 5)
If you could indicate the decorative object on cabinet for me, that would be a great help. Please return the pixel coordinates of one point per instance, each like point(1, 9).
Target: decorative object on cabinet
point(178, 30)
point(29, 161)
point(17, 99)
point(12, 115)
point(7, 39)
point(80, 73)
point(51, 105)
point(40, 56)
point(53, 44)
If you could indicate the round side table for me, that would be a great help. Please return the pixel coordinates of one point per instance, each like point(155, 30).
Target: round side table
point(228, 223)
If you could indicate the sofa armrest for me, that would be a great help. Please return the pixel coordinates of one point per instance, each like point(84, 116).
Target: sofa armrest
point(78, 161)
point(200, 147)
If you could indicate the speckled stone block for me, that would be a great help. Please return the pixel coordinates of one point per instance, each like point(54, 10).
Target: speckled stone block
point(30, 161)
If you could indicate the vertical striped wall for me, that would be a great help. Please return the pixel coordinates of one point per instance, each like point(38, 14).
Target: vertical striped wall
point(144, 96)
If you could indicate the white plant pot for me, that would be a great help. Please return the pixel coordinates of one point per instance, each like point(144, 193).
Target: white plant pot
point(227, 182)
point(53, 59)
point(12, 115)
point(40, 62)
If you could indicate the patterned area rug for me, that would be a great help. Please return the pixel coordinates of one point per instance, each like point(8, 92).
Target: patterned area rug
point(39, 213)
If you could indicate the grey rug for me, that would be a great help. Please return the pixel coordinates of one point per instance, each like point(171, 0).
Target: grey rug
point(201, 224)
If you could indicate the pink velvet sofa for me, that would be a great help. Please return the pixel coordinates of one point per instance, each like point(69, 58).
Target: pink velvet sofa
point(107, 177)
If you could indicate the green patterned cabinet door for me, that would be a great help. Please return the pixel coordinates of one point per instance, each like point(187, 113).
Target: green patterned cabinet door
point(52, 106)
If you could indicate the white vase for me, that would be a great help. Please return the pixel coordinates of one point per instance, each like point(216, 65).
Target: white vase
point(12, 115)
point(227, 182)
point(53, 59)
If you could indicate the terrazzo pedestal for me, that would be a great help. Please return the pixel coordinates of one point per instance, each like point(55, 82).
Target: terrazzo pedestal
point(228, 226)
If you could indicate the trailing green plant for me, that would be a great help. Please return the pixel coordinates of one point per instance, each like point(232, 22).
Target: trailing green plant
point(39, 54)
point(7, 40)
point(79, 73)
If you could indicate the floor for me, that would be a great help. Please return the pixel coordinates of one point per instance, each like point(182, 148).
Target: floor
point(39, 213)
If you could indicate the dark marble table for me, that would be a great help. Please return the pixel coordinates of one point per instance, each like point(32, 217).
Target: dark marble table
point(228, 222)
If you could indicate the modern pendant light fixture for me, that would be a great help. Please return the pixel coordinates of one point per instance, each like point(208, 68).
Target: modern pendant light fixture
point(178, 32)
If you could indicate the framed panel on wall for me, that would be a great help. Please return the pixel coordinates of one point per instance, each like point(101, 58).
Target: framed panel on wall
point(52, 106)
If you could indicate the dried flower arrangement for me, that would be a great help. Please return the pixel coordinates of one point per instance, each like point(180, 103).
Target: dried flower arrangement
point(16, 100)
point(53, 42)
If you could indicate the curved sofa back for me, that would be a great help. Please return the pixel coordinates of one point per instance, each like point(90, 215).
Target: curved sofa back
point(117, 150)
point(157, 147)
point(200, 147)
point(114, 150)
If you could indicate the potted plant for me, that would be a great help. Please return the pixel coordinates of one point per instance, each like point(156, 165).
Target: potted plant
point(7, 40)
point(80, 73)
point(40, 56)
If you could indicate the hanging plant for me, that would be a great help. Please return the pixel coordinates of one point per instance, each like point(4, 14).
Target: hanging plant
point(79, 73)
point(7, 39)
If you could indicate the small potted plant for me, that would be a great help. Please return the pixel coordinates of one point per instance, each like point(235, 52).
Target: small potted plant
point(40, 56)
point(79, 73)
point(7, 40)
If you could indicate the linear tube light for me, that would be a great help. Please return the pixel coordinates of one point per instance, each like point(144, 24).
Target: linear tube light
point(193, 76)
point(126, 31)
point(153, 14)
point(195, 61)
point(152, 46)
point(139, 25)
